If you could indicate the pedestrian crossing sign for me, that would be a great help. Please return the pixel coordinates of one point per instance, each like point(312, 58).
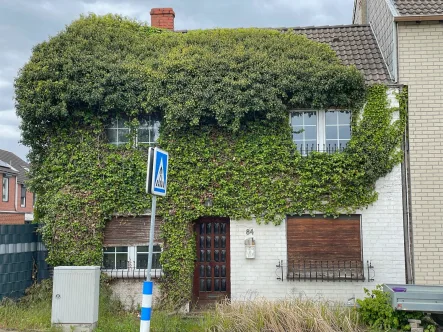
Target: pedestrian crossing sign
point(157, 178)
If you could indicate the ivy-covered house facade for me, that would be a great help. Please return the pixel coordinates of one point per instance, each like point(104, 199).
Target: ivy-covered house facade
point(285, 176)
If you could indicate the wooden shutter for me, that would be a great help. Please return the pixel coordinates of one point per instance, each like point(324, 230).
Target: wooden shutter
point(130, 231)
point(324, 239)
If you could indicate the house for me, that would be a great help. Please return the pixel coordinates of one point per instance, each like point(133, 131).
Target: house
point(16, 205)
point(410, 37)
point(242, 259)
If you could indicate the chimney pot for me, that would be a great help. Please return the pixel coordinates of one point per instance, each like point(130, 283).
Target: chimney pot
point(162, 18)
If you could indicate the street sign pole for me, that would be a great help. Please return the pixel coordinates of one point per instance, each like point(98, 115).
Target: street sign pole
point(151, 236)
point(156, 180)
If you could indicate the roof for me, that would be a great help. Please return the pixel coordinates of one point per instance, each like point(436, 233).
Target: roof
point(17, 163)
point(354, 45)
point(422, 7)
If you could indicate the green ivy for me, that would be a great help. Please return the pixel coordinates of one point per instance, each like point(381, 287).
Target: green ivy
point(224, 98)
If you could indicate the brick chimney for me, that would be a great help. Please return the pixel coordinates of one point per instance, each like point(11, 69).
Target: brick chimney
point(162, 18)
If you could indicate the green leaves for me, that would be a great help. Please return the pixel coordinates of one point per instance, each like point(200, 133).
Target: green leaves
point(223, 96)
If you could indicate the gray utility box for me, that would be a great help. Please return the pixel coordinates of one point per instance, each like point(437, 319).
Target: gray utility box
point(75, 297)
point(416, 297)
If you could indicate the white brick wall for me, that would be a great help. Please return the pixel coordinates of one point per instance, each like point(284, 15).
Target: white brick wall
point(382, 234)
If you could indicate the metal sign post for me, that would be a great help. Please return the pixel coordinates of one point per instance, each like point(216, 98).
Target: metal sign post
point(156, 181)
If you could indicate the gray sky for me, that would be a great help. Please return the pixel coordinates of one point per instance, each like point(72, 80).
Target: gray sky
point(25, 23)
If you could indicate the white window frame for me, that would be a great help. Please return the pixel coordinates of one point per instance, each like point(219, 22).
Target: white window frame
point(22, 204)
point(5, 188)
point(152, 123)
point(115, 256)
point(132, 271)
point(321, 125)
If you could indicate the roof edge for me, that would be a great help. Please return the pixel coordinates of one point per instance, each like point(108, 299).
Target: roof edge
point(414, 18)
point(288, 28)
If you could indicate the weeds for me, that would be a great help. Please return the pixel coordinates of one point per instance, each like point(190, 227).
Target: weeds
point(285, 316)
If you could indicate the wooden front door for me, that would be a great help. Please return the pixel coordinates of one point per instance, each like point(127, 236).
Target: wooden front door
point(212, 274)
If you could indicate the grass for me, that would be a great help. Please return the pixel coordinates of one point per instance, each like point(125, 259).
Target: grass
point(33, 312)
point(286, 316)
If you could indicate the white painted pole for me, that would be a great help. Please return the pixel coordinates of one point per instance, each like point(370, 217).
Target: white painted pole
point(148, 285)
point(151, 236)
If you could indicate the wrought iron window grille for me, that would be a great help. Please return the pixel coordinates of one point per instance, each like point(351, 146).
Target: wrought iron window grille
point(126, 269)
point(315, 270)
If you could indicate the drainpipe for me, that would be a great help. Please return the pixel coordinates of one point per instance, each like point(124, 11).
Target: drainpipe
point(407, 211)
point(15, 194)
point(395, 52)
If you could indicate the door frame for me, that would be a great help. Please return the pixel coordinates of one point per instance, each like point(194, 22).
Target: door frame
point(195, 281)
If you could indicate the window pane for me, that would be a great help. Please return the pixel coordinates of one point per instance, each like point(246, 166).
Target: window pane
point(344, 132)
point(109, 261)
point(143, 135)
point(297, 119)
point(5, 189)
point(310, 133)
point(331, 132)
point(121, 249)
point(142, 248)
point(122, 261)
point(156, 130)
point(331, 117)
point(331, 144)
point(109, 249)
point(310, 118)
point(344, 117)
point(123, 136)
point(112, 135)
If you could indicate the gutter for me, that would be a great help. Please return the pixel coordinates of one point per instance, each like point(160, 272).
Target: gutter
point(418, 18)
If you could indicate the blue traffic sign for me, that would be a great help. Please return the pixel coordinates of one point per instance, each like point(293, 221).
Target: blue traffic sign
point(159, 175)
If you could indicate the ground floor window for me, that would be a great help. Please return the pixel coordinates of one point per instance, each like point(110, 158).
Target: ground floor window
point(130, 257)
point(324, 248)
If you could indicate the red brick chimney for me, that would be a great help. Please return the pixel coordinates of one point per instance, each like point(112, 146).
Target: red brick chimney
point(162, 18)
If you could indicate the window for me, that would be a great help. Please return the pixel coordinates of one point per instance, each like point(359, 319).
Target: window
point(115, 257)
point(324, 248)
point(130, 257)
point(5, 188)
point(23, 196)
point(142, 257)
point(326, 131)
point(117, 133)
point(147, 133)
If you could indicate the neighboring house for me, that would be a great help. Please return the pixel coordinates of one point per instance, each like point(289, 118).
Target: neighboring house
point(362, 250)
point(410, 36)
point(16, 205)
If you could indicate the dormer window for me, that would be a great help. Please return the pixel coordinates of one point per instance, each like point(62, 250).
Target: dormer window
point(147, 133)
point(324, 131)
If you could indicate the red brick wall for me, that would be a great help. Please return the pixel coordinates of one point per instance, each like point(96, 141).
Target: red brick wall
point(12, 218)
point(10, 204)
point(162, 18)
point(29, 201)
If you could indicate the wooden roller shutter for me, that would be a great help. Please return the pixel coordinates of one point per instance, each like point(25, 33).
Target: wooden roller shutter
point(130, 231)
point(324, 239)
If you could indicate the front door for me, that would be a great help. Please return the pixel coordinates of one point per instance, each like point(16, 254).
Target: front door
point(212, 269)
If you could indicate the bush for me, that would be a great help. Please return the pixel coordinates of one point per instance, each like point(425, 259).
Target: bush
point(376, 311)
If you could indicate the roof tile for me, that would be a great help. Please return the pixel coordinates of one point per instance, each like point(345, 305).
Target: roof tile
point(422, 7)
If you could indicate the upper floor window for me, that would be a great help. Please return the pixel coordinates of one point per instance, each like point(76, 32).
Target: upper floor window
point(327, 131)
point(147, 133)
point(23, 195)
point(5, 189)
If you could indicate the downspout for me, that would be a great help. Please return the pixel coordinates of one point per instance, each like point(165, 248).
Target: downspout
point(15, 194)
point(407, 210)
